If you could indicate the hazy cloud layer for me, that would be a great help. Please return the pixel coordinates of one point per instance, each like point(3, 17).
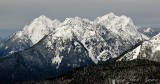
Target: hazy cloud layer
point(18, 13)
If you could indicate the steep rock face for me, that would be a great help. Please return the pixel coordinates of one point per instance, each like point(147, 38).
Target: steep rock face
point(29, 36)
point(75, 43)
point(120, 25)
point(148, 50)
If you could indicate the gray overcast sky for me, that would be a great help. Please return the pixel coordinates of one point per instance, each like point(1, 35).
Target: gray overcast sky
point(17, 13)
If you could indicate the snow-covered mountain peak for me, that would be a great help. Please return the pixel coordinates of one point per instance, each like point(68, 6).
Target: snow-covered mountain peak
point(42, 20)
point(38, 28)
point(72, 26)
point(148, 30)
point(74, 43)
point(30, 35)
point(84, 23)
point(111, 18)
point(107, 16)
point(42, 17)
point(120, 25)
point(72, 20)
point(115, 18)
point(56, 21)
point(75, 21)
point(90, 34)
point(147, 50)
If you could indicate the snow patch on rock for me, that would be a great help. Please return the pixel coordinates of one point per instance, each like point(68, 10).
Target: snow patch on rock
point(57, 60)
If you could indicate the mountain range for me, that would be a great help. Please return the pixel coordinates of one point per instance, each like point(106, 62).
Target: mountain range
point(148, 50)
point(150, 32)
point(48, 48)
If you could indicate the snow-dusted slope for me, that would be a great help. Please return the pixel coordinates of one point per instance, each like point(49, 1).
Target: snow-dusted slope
point(38, 29)
point(30, 35)
point(147, 31)
point(99, 42)
point(148, 50)
point(76, 42)
point(120, 25)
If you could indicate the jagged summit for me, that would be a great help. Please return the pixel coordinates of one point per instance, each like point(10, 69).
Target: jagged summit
point(41, 26)
point(72, 20)
point(120, 25)
point(38, 28)
point(29, 35)
point(114, 19)
point(107, 16)
point(73, 43)
point(76, 21)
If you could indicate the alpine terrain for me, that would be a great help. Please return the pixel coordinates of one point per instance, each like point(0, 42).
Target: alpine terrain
point(148, 50)
point(28, 36)
point(73, 43)
point(148, 31)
